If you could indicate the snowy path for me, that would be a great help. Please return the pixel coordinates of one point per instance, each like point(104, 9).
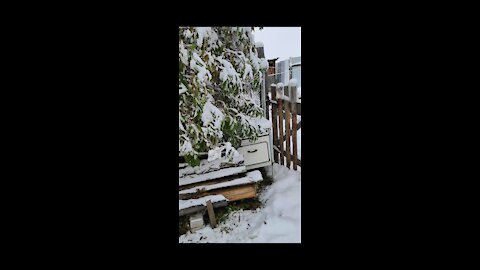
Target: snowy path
point(277, 222)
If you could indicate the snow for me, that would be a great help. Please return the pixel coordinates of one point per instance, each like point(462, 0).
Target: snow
point(186, 147)
point(183, 54)
point(292, 82)
point(255, 175)
point(228, 71)
point(263, 123)
point(299, 144)
point(202, 72)
point(184, 204)
point(248, 72)
point(279, 221)
point(202, 33)
point(211, 113)
point(230, 152)
point(258, 44)
point(264, 63)
point(182, 89)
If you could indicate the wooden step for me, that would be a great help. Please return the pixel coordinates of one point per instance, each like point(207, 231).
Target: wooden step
point(186, 207)
point(197, 178)
point(234, 189)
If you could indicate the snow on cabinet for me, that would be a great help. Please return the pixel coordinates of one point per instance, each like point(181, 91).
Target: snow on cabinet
point(258, 153)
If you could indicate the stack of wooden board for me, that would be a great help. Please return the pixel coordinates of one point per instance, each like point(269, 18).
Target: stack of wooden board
point(217, 182)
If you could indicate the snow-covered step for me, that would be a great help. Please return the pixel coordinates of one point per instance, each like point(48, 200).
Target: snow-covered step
point(197, 178)
point(207, 165)
point(186, 207)
point(236, 189)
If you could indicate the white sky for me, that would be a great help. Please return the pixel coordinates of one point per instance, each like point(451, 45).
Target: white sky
point(282, 42)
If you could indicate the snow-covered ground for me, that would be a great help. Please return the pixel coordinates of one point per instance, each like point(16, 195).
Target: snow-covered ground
point(277, 222)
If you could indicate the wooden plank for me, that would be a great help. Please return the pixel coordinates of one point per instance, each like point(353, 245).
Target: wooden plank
point(236, 182)
point(280, 129)
point(191, 210)
point(194, 178)
point(273, 90)
point(231, 193)
point(254, 176)
point(278, 151)
point(191, 206)
point(213, 181)
point(287, 129)
point(239, 193)
point(211, 214)
point(294, 127)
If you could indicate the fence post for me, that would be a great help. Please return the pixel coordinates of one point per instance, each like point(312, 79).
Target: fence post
point(280, 123)
point(293, 102)
point(273, 90)
point(287, 129)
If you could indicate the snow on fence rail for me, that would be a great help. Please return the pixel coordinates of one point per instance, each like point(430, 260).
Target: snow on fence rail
point(285, 124)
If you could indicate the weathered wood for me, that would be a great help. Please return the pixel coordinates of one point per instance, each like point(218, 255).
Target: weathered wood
point(287, 129)
point(187, 207)
point(280, 128)
point(273, 90)
point(294, 127)
point(211, 214)
point(239, 193)
point(236, 182)
point(231, 193)
point(194, 178)
point(275, 148)
point(213, 181)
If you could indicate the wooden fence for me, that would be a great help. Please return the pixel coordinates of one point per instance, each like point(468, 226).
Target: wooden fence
point(284, 121)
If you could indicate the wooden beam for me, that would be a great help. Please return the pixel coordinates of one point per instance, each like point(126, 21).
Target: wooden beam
point(273, 90)
point(199, 207)
point(211, 214)
point(194, 178)
point(288, 132)
point(280, 128)
point(231, 193)
point(213, 181)
point(294, 126)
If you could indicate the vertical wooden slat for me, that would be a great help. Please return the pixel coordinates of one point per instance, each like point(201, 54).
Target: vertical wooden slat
point(280, 128)
point(287, 132)
point(211, 214)
point(293, 102)
point(273, 90)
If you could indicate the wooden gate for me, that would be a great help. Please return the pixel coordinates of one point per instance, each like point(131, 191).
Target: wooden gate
point(284, 107)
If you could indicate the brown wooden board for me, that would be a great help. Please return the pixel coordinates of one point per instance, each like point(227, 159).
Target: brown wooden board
point(273, 90)
point(231, 193)
point(287, 129)
point(213, 181)
point(211, 214)
point(280, 129)
point(294, 129)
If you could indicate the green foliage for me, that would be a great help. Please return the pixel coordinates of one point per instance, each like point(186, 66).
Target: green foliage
point(219, 66)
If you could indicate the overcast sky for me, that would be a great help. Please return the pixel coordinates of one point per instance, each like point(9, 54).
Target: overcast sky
point(282, 42)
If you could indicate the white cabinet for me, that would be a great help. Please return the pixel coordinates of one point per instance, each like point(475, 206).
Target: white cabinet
point(258, 153)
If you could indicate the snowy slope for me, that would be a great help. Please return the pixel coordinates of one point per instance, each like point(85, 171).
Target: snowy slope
point(277, 222)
